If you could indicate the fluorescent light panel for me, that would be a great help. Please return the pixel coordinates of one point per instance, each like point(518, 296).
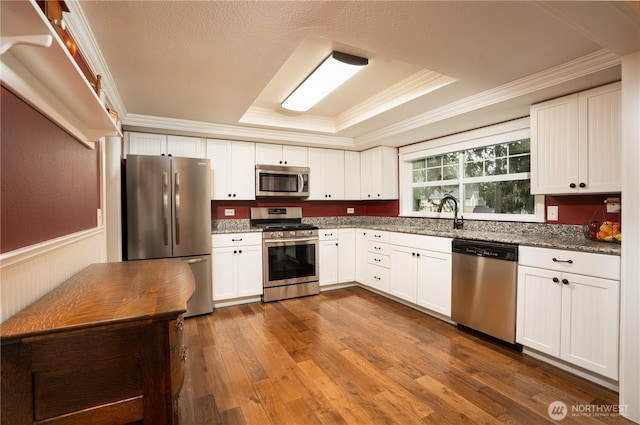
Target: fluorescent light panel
point(335, 70)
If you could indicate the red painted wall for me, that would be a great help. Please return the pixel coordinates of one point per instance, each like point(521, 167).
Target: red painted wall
point(309, 208)
point(579, 209)
point(49, 183)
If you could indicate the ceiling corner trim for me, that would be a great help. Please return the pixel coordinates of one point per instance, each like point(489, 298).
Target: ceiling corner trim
point(232, 132)
point(412, 87)
point(594, 62)
point(270, 118)
point(83, 36)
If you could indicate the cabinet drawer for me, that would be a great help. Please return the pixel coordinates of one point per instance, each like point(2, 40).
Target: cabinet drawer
point(236, 239)
point(584, 263)
point(378, 277)
point(427, 243)
point(327, 234)
point(377, 259)
point(178, 361)
point(175, 332)
point(378, 236)
point(378, 247)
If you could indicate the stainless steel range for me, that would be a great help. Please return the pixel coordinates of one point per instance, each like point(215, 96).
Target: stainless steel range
point(290, 253)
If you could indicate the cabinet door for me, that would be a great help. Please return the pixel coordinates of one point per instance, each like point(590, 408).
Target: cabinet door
point(249, 270)
point(555, 146)
point(334, 174)
point(388, 173)
point(223, 263)
point(366, 171)
point(600, 139)
point(346, 255)
point(351, 175)
point(590, 322)
point(219, 155)
point(434, 281)
point(269, 154)
point(317, 165)
point(328, 261)
point(403, 273)
point(188, 147)
point(243, 171)
point(361, 256)
point(146, 144)
point(539, 304)
point(295, 156)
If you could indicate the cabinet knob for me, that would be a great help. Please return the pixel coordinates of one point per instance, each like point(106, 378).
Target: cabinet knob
point(369, 196)
point(179, 324)
point(286, 162)
point(229, 195)
point(183, 356)
point(413, 254)
point(280, 162)
point(565, 281)
point(583, 185)
point(417, 254)
point(235, 251)
point(239, 251)
point(555, 280)
point(336, 243)
point(572, 185)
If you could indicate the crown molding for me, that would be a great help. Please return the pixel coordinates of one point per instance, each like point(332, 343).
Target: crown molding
point(270, 118)
point(80, 29)
point(233, 132)
point(589, 64)
point(412, 87)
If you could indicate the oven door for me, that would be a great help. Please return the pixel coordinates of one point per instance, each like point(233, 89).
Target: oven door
point(290, 261)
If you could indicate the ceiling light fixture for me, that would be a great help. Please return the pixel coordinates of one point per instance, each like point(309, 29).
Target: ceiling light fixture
point(336, 69)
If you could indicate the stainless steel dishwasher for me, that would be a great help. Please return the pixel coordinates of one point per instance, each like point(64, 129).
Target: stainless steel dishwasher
point(483, 292)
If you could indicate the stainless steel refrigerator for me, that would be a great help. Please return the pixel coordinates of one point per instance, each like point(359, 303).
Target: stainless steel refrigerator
point(168, 211)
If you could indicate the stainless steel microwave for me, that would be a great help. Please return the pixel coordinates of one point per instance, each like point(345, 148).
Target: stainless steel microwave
point(282, 181)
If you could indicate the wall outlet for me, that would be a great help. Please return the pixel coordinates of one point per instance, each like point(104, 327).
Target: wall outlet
point(552, 213)
point(350, 211)
point(229, 212)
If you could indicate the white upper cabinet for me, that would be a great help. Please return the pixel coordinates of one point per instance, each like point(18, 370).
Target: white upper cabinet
point(160, 144)
point(576, 143)
point(379, 173)
point(326, 180)
point(269, 154)
point(351, 176)
point(232, 169)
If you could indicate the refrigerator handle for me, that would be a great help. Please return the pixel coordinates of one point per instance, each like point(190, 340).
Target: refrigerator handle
point(165, 208)
point(177, 201)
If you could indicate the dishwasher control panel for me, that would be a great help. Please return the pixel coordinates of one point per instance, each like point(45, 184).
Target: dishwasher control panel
point(499, 251)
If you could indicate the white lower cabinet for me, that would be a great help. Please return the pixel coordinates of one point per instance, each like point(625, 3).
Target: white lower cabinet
point(237, 265)
point(337, 255)
point(361, 255)
point(421, 271)
point(569, 307)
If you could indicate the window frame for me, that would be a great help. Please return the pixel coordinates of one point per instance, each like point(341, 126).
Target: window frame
point(492, 135)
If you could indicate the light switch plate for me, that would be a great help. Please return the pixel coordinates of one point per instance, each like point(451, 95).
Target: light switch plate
point(229, 212)
point(552, 213)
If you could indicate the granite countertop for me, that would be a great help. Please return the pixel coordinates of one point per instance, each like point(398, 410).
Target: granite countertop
point(573, 243)
point(567, 237)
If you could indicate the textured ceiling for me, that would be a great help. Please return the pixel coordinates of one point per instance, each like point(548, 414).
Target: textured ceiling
point(219, 61)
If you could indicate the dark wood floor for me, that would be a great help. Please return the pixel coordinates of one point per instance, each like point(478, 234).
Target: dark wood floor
point(352, 357)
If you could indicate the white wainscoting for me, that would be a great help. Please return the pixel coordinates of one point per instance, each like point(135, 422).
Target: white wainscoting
point(28, 273)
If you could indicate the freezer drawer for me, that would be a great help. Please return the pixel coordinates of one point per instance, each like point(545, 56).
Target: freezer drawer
point(202, 300)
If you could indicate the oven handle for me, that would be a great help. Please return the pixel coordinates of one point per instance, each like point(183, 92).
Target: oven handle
point(266, 241)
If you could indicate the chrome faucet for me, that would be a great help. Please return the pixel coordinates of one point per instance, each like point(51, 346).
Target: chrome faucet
point(457, 224)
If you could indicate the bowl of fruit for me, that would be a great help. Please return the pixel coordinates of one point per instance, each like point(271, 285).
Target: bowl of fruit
point(606, 231)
